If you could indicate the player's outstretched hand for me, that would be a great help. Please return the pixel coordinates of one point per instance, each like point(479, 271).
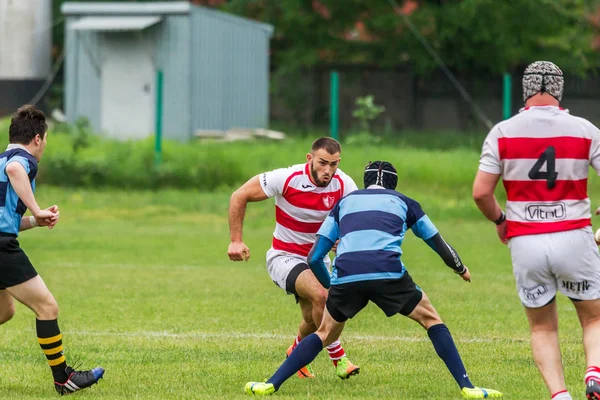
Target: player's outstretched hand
point(467, 275)
point(238, 251)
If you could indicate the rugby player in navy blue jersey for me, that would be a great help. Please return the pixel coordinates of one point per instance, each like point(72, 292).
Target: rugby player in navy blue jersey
point(370, 225)
point(18, 278)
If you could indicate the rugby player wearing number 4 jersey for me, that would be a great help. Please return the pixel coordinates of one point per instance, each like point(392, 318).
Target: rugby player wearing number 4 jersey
point(304, 195)
point(543, 155)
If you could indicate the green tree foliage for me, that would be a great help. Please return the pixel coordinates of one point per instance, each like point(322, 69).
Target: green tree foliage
point(499, 35)
point(469, 35)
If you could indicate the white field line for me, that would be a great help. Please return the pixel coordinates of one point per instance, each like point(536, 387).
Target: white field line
point(274, 336)
point(126, 265)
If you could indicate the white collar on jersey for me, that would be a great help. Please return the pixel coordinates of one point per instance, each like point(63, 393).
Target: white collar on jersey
point(13, 146)
point(546, 107)
point(376, 187)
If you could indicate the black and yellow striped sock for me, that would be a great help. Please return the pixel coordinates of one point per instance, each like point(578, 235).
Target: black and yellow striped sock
point(50, 340)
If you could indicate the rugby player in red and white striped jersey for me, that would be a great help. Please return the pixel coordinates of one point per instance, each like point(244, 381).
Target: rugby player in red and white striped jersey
point(543, 155)
point(304, 195)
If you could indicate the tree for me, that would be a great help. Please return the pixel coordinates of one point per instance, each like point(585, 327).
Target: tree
point(469, 35)
point(497, 36)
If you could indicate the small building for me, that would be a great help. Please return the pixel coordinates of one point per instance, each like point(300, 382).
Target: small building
point(214, 69)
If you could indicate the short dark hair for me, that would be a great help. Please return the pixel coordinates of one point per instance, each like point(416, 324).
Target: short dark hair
point(26, 123)
point(330, 145)
point(380, 173)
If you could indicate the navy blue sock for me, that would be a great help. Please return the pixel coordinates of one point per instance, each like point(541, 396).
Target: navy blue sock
point(446, 349)
point(306, 351)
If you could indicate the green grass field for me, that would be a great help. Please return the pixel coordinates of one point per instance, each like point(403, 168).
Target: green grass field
point(146, 290)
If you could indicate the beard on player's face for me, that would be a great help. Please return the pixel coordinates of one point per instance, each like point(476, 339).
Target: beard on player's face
point(315, 176)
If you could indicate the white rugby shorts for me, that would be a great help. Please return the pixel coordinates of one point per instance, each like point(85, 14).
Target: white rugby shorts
point(280, 264)
point(567, 261)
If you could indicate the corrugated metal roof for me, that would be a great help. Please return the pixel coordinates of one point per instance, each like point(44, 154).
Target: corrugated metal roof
point(155, 8)
point(103, 24)
point(81, 8)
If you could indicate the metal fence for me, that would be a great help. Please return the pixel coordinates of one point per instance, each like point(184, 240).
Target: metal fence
point(412, 102)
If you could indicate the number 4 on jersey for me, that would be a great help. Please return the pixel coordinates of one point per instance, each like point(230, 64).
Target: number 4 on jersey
point(548, 157)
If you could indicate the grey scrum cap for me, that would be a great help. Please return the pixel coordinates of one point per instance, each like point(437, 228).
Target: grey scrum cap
point(543, 77)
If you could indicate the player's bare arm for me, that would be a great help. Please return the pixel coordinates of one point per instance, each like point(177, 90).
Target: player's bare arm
point(483, 194)
point(26, 224)
point(20, 182)
point(250, 191)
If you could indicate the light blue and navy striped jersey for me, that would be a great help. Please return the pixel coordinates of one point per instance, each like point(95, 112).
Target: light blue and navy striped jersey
point(371, 224)
point(11, 207)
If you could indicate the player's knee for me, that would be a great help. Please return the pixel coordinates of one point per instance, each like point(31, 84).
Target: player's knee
point(7, 313)
point(427, 320)
point(543, 323)
point(589, 312)
point(47, 310)
point(429, 317)
point(543, 326)
point(425, 314)
point(590, 320)
point(432, 320)
point(319, 298)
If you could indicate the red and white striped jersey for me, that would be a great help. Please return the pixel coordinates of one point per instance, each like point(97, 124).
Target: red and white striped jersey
point(543, 154)
point(300, 206)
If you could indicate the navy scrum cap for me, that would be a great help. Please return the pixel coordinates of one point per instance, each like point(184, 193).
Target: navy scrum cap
point(543, 77)
point(380, 173)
